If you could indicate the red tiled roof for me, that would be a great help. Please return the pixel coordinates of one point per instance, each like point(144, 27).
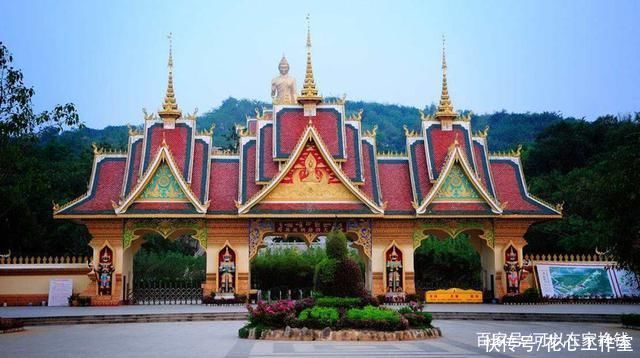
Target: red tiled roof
point(133, 171)
point(422, 184)
point(200, 161)
point(290, 123)
point(107, 186)
point(511, 189)
point(179, 141)
point(352, 166)
point(223, 186)
point(371, 185)
point(483, 166)
point(439, 142)
point(395, 184)
point(269, 165)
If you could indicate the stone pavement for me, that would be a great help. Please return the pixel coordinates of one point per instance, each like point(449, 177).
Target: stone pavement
point(219, 339)
point(172, 309)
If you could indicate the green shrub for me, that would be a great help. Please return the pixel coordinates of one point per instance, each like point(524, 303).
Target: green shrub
point(325, 271)
point(244, 332)
point(418, 319)
point(630, 320)
point(375, 318)
point(339, 302)
point(320, 317)
point(285, 268)
point(531, 294)
point(405, 310)
point(337, 245)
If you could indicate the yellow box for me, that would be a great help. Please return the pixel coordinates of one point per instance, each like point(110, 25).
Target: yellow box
point(453, 295)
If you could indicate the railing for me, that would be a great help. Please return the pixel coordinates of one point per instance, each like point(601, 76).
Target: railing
point(35, 260)
point(568, 258)
point(166, 293)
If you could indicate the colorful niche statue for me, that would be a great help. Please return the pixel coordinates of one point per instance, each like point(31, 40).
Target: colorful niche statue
point(104, 271)
point(394, 270)
point(512, 269)
point(227, 270)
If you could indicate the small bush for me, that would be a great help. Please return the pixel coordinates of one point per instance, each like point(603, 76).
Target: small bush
point(405, 310)
point(337, 245)
point(630, 320)
point(324, 274)
point(375, 318)
point(244, 332)
point(303, 304)
point(319, 317)
point(418, 319)
point(339, 302)
point(271, 315)
point(367, 300)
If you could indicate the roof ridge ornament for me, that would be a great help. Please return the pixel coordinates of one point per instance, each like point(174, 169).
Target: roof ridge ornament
point(309, 97)
point(445, 107)
point(170, 112)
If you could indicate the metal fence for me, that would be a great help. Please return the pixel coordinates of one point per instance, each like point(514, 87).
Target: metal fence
point(165, 293)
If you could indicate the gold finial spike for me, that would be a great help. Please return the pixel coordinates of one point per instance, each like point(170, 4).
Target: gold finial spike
point(445, 108)
point(309, 92)
point(170, 106)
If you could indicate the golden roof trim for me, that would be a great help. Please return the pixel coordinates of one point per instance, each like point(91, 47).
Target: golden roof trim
point(309, 91)
point(508, 153)
point(371, 133)
point(309, 134)
point(410, 133)
point(170, 105)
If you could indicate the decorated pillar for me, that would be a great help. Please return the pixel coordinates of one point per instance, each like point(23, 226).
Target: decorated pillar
point(509, 242)
point(105, 287)
point(231, 234)
point(388, 234)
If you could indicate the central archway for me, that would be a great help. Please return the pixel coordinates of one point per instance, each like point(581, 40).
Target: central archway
point(464, 235)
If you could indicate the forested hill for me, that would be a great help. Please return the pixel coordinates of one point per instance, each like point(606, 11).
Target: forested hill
point(506, 129)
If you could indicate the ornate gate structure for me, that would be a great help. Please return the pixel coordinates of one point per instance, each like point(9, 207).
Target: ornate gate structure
point(305, 166)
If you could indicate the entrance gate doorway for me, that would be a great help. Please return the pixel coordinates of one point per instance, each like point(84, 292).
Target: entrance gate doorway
point(176, 292)
point(165, 261)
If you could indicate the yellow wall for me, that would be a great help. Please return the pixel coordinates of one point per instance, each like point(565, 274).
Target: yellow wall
point(27, 284)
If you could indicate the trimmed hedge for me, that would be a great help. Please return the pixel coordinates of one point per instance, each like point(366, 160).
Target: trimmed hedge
point(418, 319)
point(376, 318)
point(319, 317)
point(339, 302)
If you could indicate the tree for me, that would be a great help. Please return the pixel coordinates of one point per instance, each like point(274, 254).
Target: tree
point(338, 274)
point(28, 170)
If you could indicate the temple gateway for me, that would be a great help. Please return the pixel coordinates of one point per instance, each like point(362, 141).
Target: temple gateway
point(305, 167)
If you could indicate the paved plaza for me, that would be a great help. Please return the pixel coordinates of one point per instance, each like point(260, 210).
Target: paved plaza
point(170, 309)
point(219, 339)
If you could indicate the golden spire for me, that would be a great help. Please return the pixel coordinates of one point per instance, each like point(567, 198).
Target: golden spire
point(309, 91)
point(170, 106)
point(445, 108)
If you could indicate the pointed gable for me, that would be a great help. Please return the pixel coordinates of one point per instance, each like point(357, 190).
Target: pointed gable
point(458, 190)
point(161, 188)
point(457, 187)
point(310, 182)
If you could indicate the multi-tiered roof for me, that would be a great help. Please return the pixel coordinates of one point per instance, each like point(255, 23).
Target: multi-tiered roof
point(306, 160)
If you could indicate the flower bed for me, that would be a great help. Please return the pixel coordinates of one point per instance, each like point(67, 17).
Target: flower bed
point(334, 314)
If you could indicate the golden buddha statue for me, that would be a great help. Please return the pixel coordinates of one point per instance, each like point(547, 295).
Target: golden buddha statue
point(283, 87)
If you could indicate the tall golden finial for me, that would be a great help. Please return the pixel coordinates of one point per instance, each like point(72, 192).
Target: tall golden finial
point(309, 93)
point(445, 108)
point(170, 109)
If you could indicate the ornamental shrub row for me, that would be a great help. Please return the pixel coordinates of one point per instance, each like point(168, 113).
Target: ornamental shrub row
point(339, 302)
point(319, 317)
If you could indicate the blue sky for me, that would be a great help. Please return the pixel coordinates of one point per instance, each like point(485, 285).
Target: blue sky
point(581, 58)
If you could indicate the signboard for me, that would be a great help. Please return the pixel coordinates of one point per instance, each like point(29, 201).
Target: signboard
point(626, 282)
point(59, 291)
point(453, 295)
point(575, 280)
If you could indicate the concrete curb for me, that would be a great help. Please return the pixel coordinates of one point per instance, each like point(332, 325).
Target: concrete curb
point(241, 316)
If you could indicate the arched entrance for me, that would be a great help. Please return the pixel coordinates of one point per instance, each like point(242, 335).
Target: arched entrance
point(358, 232)
point(479, 234)
point(158, 282)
